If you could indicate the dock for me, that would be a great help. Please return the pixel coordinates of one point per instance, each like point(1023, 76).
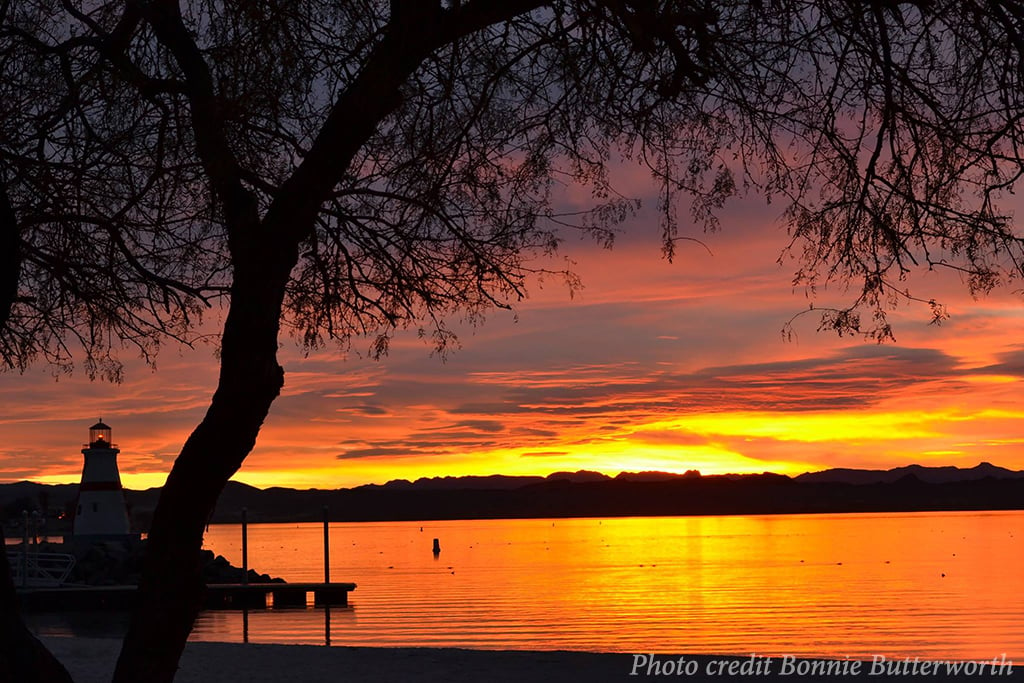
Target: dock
point(217, 596)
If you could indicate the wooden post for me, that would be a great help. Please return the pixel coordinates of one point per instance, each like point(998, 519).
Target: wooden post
point(245, 547)
point(24, 548)
point(327, 549)
point(327, 624)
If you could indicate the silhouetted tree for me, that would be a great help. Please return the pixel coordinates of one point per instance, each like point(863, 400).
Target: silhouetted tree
point(349, 168)
point(90, 258)
point(14, 509)
point(101, 247)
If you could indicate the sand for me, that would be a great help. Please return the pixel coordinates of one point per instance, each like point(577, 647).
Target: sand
point(91, 660)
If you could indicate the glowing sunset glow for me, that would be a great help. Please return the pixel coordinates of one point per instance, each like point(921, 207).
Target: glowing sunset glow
point(651, 366)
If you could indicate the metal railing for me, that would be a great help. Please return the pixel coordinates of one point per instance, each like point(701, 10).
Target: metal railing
point(38, 570)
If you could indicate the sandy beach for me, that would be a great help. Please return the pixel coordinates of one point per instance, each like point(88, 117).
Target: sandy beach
point(91, 660)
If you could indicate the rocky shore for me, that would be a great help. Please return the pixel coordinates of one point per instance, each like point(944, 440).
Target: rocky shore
point(119, 563)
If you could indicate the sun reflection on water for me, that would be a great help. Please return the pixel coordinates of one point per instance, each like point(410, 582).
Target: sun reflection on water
point(939, 585)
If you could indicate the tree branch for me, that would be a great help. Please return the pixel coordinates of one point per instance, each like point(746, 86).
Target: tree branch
point(411, 36)
point(208, 126)
point(10, 255)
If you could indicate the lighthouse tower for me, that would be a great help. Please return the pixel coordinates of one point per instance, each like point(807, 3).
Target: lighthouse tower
point(101, 510)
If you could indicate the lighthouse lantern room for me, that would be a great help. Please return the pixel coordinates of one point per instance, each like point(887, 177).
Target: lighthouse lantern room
point(99, 435)
point(101, 511)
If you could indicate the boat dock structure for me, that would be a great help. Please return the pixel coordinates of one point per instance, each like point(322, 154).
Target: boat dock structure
point(44, 579)
point(41, 580)
point(217, 596)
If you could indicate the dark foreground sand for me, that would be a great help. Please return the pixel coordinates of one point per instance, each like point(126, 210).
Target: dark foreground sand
point(91, 660)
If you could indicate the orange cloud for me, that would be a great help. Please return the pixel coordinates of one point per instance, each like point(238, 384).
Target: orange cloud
point(651, 366)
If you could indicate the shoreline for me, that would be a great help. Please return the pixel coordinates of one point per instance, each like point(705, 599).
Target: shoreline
point(562, 495)
point(91, 660)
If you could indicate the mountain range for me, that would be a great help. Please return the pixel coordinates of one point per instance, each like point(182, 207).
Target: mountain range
point(587, 494)
point(931, 475)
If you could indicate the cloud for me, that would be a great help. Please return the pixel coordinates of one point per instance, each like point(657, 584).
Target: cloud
point(373, 452)
point(561, 381)
point(1009, 363)
point(368, 410)
point(480, 425)
point(580, 405)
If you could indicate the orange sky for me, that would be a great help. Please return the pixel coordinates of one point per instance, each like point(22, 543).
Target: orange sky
point(652, 366)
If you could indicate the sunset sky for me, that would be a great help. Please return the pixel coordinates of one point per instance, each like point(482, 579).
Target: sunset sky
point(651, 366)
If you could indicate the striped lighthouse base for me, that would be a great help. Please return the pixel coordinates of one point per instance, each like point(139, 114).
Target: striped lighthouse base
point(101, 511)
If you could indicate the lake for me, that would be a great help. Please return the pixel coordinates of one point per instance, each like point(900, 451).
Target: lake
point(936, 585)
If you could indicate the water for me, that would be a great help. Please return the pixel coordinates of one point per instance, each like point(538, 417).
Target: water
point(936, 585)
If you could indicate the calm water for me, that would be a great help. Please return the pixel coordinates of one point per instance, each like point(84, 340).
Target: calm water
point(938, 585)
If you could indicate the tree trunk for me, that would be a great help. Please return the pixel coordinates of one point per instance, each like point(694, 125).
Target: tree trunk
point(22, 656)
point(171, 589)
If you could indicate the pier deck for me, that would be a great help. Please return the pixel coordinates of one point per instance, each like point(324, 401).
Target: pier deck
point(218, 596)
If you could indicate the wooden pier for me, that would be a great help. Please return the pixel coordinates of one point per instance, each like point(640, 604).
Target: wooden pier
point(217, 596)
point(40, 584)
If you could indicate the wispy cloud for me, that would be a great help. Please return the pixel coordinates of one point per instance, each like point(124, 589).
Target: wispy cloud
point(652, 365)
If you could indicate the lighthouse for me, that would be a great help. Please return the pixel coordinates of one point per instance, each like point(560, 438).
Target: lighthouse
point(101, 510)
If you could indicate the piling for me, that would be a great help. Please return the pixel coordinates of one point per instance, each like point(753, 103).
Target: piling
point(245, 546)
point(24, 548)
point(37, 526)
point(327, 549)
point(327, 624)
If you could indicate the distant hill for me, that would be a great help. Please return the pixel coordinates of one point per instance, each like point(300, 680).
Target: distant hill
point(590, 494)
point(655, 476)
point(494, 482)
point(498, 482)
point(30, 496)
point(931, 475)
point(32, 490)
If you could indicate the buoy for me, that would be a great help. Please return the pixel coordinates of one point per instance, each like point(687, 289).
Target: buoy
point(437, 546)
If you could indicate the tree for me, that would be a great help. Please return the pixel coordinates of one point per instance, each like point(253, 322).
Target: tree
point(349, 168)
point(102, 249)
point(68, 279)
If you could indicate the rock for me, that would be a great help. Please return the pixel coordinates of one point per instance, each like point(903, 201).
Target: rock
point(120, 563)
